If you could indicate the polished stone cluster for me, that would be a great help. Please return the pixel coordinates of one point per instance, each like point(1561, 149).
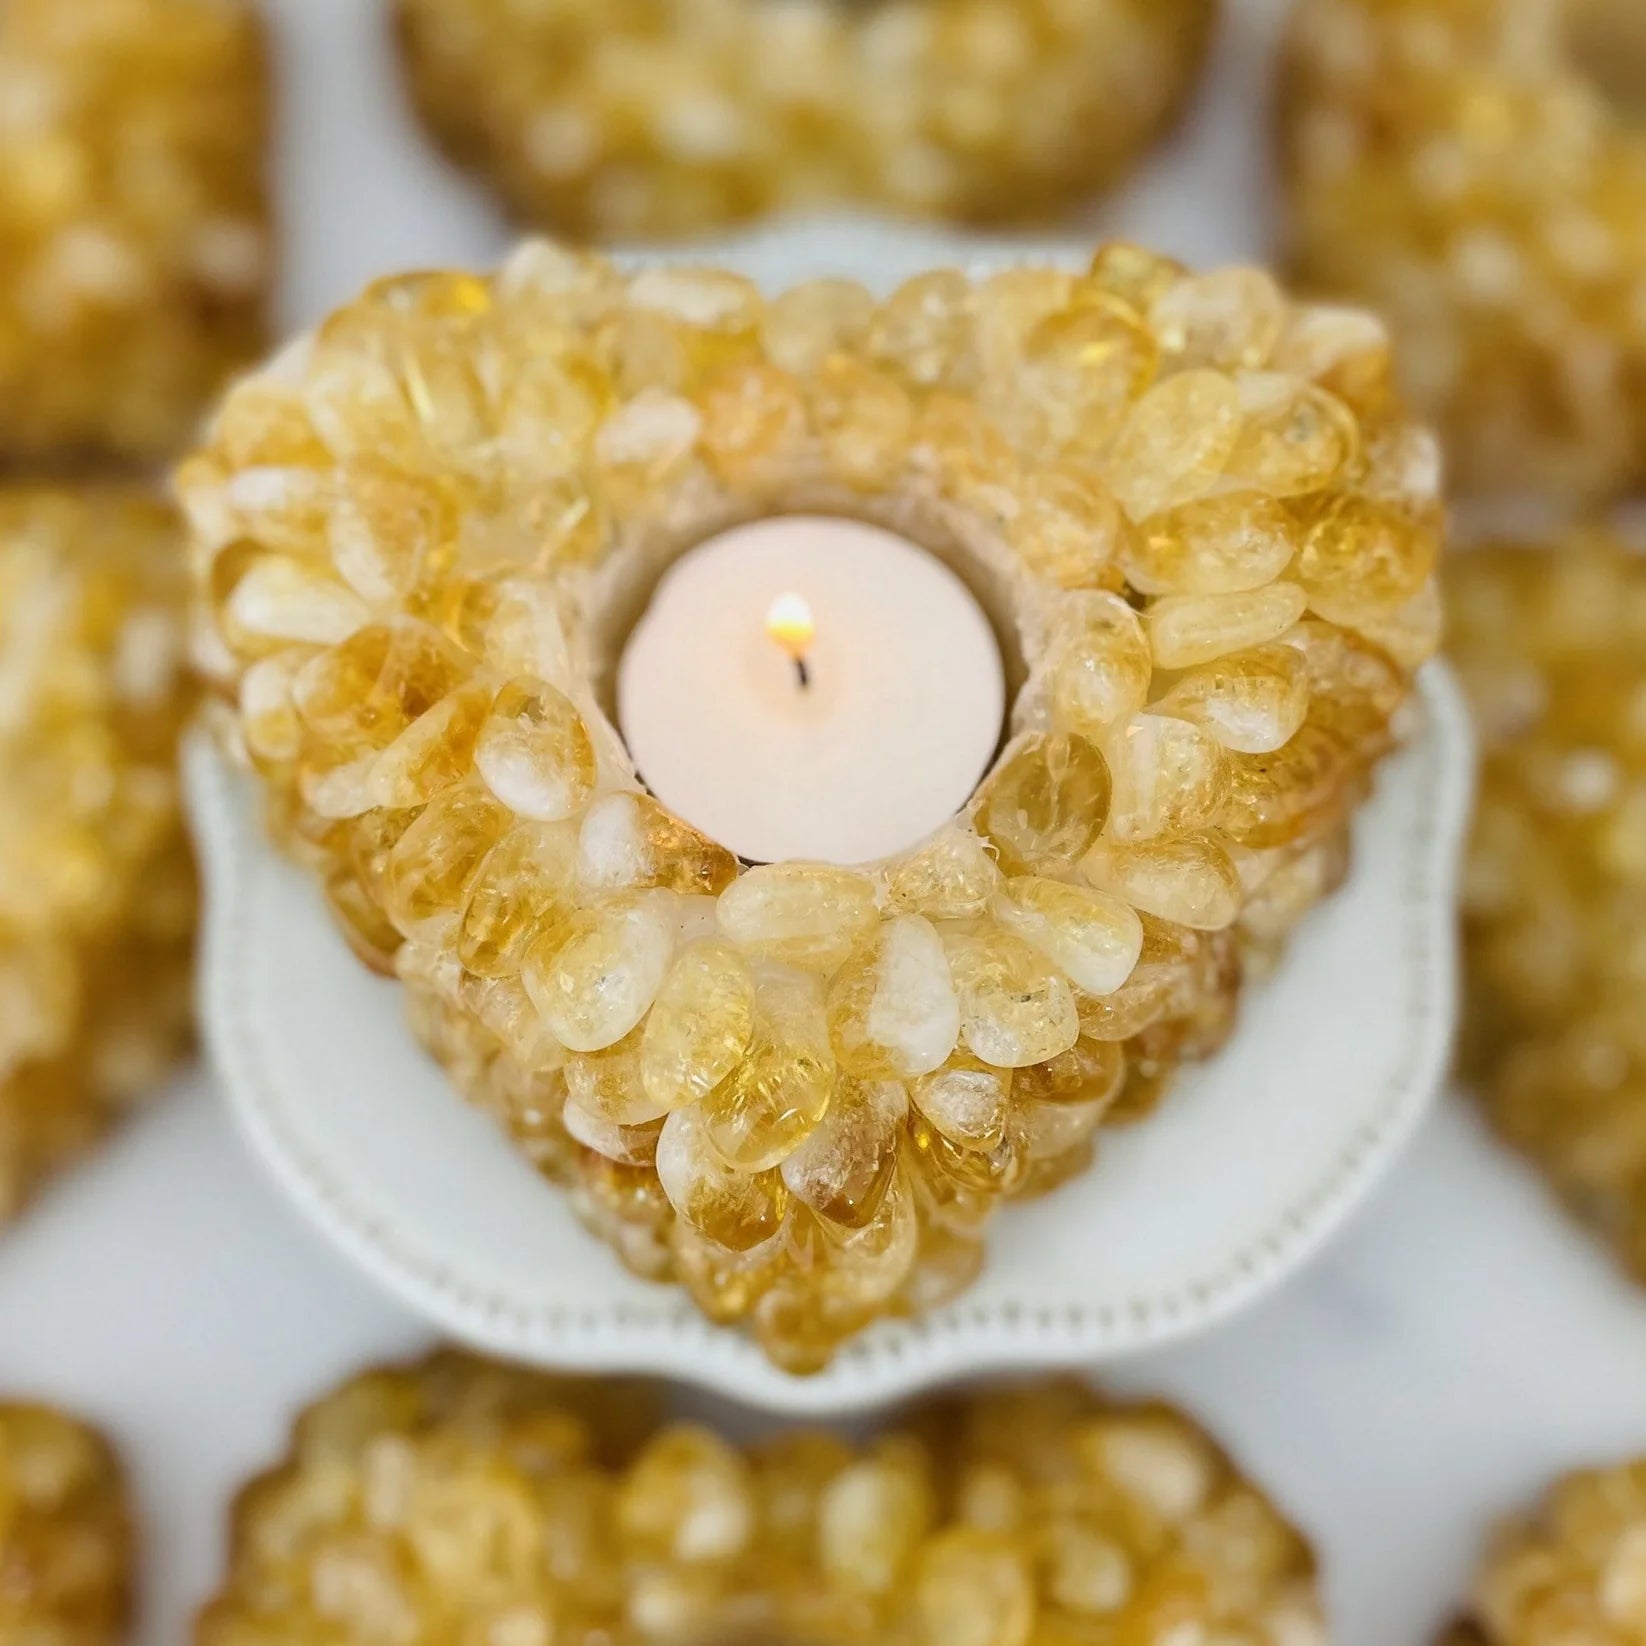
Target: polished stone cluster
point(625, 118)
point(803, 1089)
point(1573, 1573)
point(134, 252)
point(1551, 642)
point(1473, 170)
point(96, 887)
point(462, 1502)
point(65, 1533)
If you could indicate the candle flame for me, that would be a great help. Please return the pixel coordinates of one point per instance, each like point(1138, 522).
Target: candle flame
point(791, 625)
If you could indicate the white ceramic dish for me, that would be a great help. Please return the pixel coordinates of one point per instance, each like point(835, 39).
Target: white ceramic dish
point(1248, 1169)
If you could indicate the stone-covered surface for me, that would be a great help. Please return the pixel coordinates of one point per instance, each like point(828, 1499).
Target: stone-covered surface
point(135, 246)
point(626, 118)
point(1473, 169)
point(1550, 640)
point(460, 1501)
point(804, 1089)
point(97, 893)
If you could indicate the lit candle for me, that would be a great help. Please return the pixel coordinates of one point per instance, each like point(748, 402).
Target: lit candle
point(813, 688)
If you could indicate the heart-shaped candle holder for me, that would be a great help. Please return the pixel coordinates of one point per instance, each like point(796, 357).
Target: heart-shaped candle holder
point(1204, 532)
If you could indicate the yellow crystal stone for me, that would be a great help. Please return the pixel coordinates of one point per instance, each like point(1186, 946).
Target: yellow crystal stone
point(1100, 666)
point(460, 1500)
point(523, 883)
point(803, 914)
point(967, 1100)
point(595, 974)
point(534, 752)
point(135, 253)
point(1093, 939)
point(1548, 638)
point(893, 1011)
point(1186, 630)
point(97, 895)
point(1226, 544)
point(66, 1533)
point(700, 1026)
point(735, 1209)
point(1253, 702)
point(1190, 880)
point(782, 1086)
point(1169, 778)
point(803, 1089)
point(847, 1163)
point(1176, 442)
point(646, 119)
point(1046, 802)
point(1015, 1007)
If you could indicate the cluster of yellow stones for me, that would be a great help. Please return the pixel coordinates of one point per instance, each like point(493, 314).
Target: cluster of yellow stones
point(1551, 642)
point(623, 118)
point(803, 1089)
point(459, 1501)
point(1575, 1571)
point(65, 1533)
point(96, 887)
point(134, 251)
point(1476, 170)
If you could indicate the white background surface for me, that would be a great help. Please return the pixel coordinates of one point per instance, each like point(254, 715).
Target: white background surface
point(1455, 1349)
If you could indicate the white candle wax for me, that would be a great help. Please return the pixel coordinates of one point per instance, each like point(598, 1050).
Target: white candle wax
point(897, 718)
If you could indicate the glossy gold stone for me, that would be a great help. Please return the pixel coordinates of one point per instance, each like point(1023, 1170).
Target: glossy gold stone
point(1548, 639)
point(460, 1500)
point(653, 117)
point(1477, 173)
point(66, 1534)
point(1571, 1568)
point(97, 894)
point(135, 253)
point(804, 1089)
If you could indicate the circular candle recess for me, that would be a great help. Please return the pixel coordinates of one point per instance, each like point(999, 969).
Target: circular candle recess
point(843, 748)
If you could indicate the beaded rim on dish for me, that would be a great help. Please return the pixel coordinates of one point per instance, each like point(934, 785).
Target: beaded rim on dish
point(1466, 170)
point(649, 121)
point(1213, 577)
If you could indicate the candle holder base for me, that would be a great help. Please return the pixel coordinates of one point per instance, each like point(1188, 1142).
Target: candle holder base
point(1185, 1220)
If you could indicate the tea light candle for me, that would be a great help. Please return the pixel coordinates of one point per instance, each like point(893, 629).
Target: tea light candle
point(814, 688)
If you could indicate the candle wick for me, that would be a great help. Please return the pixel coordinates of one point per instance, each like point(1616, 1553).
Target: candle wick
point(803, 671)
